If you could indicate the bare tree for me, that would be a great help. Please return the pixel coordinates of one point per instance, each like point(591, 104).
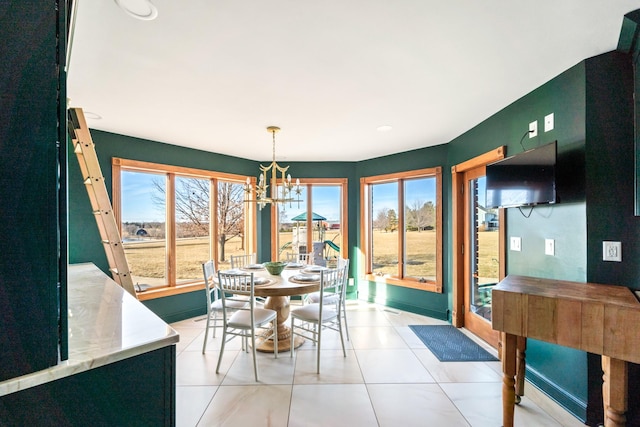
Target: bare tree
point(230, 214)
point(420, 215)
point(428, 215)
point(192, 207)
point(381, 222)
point(193, 213)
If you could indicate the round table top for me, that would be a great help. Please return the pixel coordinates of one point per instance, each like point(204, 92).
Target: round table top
point(281, 285)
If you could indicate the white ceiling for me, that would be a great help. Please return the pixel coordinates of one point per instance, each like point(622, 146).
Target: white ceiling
point(213, 74)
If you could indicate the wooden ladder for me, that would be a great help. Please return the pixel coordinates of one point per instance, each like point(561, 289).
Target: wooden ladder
point(100, 203)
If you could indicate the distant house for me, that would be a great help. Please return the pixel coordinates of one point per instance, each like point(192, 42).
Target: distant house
point(491, 222)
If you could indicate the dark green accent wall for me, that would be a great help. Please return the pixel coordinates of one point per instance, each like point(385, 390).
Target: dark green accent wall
point(610, 175)
point(179, 307)
point(565, 377)
point(592, 104)
point(610, 198)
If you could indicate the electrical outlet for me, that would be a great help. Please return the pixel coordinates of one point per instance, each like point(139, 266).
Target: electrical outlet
point(549, 247)
point(516, 244)
point(548, 122)
point(533, 129)
point(612, 251)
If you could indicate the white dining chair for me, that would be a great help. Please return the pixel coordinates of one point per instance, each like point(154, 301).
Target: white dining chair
point(243, 322)
point(304, 259)
point(239, 261)
point(331, 296)
point(300, 258)
point(310, 320)
point(214, 302)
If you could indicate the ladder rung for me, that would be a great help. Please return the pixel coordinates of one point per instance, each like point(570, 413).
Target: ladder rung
point(114, 271)
point(110, 242)
point(90, 180)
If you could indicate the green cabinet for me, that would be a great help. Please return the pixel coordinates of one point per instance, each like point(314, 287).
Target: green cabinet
point(31, 224)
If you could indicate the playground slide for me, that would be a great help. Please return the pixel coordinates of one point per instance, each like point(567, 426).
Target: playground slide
point(285, 246)
point(332, 245)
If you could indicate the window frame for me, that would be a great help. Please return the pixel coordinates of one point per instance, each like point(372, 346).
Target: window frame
point(366, 228)
point(308, 183)
point(170, 172)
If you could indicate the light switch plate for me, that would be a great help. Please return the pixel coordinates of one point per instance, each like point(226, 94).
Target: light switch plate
point(612, 251)
point(516, 244)
point(548, 122)
point(549, 247)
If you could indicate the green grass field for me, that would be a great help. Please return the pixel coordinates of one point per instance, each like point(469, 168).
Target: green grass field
point(147, 258)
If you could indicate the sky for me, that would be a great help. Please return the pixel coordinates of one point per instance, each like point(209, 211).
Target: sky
point(325, 202)
point(385, 196)
point(137, 204)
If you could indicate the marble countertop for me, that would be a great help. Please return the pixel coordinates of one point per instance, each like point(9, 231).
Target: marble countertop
point(106, 325)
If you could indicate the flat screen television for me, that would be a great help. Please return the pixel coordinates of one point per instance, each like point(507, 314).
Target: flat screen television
point(525, 179)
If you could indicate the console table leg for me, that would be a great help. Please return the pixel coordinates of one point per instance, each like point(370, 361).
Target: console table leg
point(614, 391)
point(509, 344)
point(521, 345)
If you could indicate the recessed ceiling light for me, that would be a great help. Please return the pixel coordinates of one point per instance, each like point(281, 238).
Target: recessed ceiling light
point(385, 128)
point(139, 9)
point(94, 116)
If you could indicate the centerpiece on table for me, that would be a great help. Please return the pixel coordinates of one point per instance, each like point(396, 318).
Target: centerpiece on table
point(275, 267)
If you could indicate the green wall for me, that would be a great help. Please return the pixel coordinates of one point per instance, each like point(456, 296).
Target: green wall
point(610, 198)
point(593, 128)
point(561, 372)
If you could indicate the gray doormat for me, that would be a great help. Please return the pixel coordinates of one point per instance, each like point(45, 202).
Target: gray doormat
point(450, 345)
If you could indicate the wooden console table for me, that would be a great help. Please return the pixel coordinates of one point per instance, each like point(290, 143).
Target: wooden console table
point(600, 319)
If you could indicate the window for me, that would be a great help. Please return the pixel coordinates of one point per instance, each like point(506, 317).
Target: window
point(402, 236)
point(172, 219)
point(318, 224)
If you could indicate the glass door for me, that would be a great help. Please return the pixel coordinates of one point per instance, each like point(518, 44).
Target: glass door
point(482, 255)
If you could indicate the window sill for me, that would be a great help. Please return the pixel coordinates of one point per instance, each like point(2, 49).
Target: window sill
point(167, 291)
point(406, 283)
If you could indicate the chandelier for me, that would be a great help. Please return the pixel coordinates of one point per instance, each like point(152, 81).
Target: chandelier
point(283, 191)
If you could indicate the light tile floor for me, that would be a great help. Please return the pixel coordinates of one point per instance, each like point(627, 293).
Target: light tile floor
point(389, 378)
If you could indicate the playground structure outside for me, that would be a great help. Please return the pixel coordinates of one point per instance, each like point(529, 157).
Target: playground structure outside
point(325, 244)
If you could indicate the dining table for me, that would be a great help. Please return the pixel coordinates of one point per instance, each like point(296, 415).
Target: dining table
point(295, 279)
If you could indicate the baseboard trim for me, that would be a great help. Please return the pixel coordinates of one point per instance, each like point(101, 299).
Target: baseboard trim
point(577, 407)
point(410, 308)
